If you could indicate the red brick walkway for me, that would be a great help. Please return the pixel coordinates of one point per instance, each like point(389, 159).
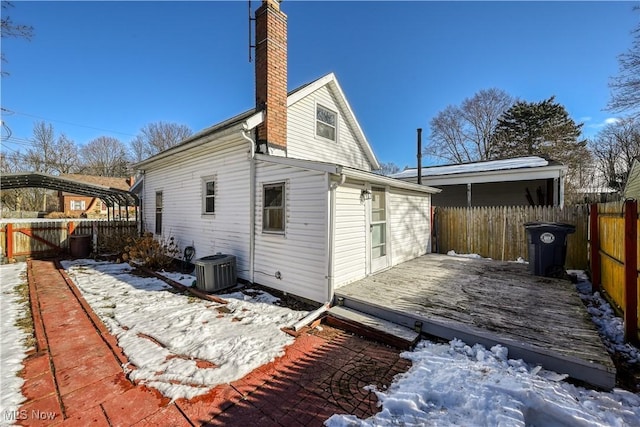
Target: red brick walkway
point(75, 377)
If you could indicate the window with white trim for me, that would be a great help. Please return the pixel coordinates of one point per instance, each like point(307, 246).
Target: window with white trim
point(326, 123)
point(273, 208)
point(158, 212)
point(77, 205)
point(208, 195)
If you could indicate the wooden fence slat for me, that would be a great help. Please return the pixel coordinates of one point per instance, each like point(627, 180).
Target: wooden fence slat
point(499, 233)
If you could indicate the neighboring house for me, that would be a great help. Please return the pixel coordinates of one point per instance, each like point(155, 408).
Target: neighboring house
point(511, 182)
point(77, 205)
point(632, 186)
point(286, 187)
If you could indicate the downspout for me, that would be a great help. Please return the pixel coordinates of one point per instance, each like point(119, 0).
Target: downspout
point(332, 235)
point(252, 200)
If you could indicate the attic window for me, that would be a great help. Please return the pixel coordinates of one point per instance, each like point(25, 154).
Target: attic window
point(326, 122)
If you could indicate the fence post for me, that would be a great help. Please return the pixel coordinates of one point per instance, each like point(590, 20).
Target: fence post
point(594, 234)
point(9, 240)
point(630, 271)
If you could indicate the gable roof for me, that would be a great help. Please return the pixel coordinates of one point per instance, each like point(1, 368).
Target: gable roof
point(331, 81)
point(252, 118)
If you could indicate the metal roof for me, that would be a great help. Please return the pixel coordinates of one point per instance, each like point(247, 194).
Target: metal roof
point(111, 196)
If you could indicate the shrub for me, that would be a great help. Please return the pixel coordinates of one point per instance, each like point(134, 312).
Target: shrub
point(155, 254)
point(114, 241)
point(60, 215)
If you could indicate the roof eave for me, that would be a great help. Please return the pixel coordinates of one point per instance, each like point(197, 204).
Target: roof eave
point(206, 136)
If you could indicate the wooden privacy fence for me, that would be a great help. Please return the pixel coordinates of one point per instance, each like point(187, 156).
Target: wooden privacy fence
point(614, 259)
point(38, 238)
point(499, 233)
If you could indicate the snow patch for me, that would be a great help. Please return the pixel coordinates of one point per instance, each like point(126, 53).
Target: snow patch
point(177, 344)
point(12, 349)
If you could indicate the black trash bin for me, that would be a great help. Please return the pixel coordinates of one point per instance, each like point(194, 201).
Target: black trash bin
point(548, 247)
point(80, 245)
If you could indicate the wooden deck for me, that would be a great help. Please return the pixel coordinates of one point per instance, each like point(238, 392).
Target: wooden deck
point(540, 320)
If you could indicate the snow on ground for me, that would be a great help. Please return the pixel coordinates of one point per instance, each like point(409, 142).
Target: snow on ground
point(609, 325)
point(454, 384)
point(167, 337)
point(473, 256)
point(180, 345)
point(12, 348)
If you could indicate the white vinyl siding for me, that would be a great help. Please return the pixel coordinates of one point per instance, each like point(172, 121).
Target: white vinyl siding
point(180, 180)
point(302, 142)
point(351, 228)
point(409, 222)
point(298, 257)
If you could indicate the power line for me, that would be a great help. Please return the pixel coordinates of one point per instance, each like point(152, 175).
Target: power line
point(6, 110)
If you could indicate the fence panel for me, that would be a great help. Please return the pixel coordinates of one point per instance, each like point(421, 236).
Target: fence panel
point(611, 230)
point(615, 258)
point(499, 233)
point(51, 238)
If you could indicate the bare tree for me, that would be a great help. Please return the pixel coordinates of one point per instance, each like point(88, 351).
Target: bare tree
point(11, 199)
point(464, 133)
point(10, 29)
point(388, 168)
point(105, 156)
point(614, 149)
point(49, 154)
point(156, 137)
point(625, 87)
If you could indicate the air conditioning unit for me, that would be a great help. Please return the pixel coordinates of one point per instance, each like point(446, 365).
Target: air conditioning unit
point(216, 272)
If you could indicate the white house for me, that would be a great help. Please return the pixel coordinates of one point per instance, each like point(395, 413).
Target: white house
point(632, 185)
point(287, 187)
point(530, 180)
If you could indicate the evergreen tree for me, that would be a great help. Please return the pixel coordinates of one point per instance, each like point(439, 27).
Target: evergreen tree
point(543, 129)
point(538, 128)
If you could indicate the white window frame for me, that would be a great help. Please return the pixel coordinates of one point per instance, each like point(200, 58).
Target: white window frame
point(73, 205)
point(158, 212)
point(205, 180)
point(265, 230)
point(316, 120)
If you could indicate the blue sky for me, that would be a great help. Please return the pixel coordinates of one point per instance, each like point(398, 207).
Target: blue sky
point(109, 68)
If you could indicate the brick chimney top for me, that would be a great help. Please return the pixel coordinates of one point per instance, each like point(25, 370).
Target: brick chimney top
point(271, 73)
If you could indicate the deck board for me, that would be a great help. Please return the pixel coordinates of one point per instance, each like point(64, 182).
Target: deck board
point(495, 302)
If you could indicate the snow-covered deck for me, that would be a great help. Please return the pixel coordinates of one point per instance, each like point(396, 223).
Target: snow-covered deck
point(540, 320)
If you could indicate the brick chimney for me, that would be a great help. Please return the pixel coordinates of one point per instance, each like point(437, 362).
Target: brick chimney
point(271, 73)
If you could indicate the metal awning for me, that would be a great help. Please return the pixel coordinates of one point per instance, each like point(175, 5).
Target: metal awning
point(110, 196)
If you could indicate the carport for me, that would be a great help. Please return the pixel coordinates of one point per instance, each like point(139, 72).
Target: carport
point(112, 197)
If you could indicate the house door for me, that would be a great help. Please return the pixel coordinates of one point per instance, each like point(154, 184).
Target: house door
point(378, 229)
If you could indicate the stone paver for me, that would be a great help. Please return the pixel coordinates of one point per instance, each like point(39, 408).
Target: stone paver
point(75, 377)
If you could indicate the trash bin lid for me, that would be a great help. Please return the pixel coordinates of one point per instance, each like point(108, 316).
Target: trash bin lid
point(570, 228)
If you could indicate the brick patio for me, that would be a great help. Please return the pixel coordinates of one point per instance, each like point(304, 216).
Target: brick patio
point(76, 374)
